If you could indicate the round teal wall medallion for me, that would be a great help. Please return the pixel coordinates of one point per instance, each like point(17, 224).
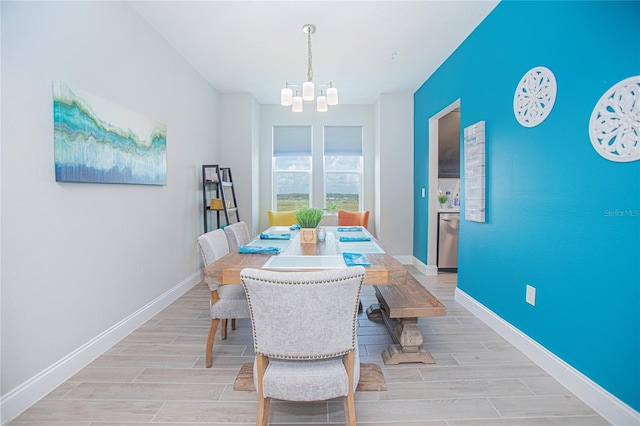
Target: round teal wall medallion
point(535, 96)
point(614, 127)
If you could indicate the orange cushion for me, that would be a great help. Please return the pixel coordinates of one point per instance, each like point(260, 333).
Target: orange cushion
point(347, 218)
point(285, 218)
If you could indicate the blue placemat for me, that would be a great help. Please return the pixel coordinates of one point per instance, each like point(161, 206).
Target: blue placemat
point(355, 259)
point(350, 239)
point(349, 228)
point(283, 244)
point(264, 236)
point(258, 250)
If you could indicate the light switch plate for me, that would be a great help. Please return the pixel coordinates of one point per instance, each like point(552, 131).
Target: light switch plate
point(530, 298)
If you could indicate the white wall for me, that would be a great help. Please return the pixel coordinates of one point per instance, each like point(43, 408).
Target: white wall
point(395, 174)
point(356, 115)
point(238, 150)
point(79, 258)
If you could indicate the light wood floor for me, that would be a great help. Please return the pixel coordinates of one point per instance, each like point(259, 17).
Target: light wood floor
point(156, 376)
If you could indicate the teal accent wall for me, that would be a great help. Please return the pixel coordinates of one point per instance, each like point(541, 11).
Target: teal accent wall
point(559, 216)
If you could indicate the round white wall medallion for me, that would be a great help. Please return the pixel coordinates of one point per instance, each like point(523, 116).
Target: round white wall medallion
point(535, 96)
point(614, 127)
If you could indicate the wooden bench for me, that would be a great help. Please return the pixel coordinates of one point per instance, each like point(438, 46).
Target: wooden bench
point(400, 306)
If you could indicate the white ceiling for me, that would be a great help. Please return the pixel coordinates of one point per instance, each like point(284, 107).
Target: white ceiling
point(364, 47)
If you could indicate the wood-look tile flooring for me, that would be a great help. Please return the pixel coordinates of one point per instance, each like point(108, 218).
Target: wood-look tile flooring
point(156, 376)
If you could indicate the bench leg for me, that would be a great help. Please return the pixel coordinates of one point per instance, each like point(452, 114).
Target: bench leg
point(408, 342)
point(374, 312)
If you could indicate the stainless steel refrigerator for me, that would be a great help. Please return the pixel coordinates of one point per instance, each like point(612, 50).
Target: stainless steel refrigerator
point(448, 228)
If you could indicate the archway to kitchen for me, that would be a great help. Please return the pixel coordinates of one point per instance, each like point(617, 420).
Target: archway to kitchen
point(432, 211)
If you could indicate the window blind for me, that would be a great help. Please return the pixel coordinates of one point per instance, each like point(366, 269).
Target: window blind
point(291, 141)
point(343, 140)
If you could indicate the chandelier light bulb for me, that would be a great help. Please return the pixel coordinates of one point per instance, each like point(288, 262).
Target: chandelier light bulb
point(297, 104)
point(332, 96)
point(322, 104)
point(308, 90)
point(286, 97)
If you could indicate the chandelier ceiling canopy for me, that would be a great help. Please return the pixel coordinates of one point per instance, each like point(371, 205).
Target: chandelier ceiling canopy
point(293, 95)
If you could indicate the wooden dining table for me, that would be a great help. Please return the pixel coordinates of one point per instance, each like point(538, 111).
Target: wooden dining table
point(402, 298)
point(384, 269)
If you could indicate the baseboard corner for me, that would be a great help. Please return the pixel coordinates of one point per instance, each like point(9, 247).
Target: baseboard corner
point(429, 270)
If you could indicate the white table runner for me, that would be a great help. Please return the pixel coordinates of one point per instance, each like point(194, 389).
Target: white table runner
point(304, 262)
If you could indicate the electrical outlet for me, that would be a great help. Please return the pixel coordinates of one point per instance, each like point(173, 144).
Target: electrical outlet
point(530, 298)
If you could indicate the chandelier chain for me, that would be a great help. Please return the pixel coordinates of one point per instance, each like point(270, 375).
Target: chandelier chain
point(309, 56)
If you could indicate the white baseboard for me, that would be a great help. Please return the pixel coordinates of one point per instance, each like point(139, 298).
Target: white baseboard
point(405, 260)
point(24, 396)
point(428, 270)
point(600, 400)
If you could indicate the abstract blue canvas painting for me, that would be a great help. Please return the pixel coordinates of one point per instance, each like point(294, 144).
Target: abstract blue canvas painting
point(98, 141)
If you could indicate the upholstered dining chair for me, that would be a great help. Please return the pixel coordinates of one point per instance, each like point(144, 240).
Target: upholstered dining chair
point(282, 218)
point(348, 218)
point(237, 235)
point(304, 335)
point(227, 301)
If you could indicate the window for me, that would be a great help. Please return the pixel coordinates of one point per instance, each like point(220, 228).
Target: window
point(291, 167)
point(343, 167)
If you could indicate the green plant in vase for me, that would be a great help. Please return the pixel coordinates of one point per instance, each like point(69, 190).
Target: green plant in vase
point(309, 218)
point(442, 199)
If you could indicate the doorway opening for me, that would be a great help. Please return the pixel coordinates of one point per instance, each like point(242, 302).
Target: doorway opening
point(432, 203)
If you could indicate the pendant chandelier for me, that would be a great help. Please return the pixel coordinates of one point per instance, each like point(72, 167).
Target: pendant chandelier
point(293, 95)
